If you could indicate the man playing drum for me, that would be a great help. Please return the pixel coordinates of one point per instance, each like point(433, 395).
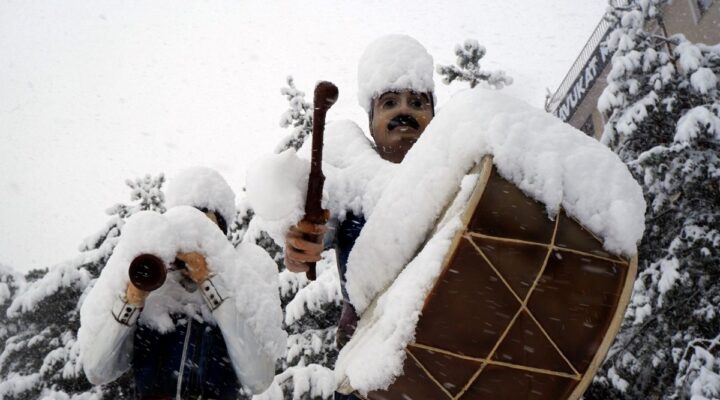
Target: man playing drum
point(395, 87)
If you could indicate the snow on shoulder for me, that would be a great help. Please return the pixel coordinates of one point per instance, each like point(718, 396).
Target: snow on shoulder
point(547, 159)
point(276, 187)
point(393, 62)
point(355, 176)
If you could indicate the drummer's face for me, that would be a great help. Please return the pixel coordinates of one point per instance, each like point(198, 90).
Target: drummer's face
point(398, 120)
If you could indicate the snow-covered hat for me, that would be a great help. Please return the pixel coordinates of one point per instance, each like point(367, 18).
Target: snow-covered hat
point(202, 187)
point(394, 62)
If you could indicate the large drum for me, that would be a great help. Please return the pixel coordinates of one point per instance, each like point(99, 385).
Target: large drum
point(525, 306)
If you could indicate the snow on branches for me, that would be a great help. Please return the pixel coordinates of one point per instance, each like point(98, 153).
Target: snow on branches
point(663, 108)
point(468, 67)
point(147, 192)
point(311, 311)
point(303, 382)
point(299, 116)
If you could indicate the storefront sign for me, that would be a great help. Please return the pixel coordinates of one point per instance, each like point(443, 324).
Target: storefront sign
point(584, 82)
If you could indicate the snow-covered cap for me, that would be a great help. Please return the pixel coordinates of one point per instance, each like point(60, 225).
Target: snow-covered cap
point(201, 187)
point(393, 63)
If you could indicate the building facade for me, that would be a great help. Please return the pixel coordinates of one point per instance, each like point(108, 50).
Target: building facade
point(575, 100)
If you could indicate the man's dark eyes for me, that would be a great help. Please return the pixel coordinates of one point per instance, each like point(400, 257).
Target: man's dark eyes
point(389, 103)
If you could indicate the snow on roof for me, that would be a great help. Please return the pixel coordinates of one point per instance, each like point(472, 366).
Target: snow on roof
point(549, 160)
point(393, 62)
point(201, 187)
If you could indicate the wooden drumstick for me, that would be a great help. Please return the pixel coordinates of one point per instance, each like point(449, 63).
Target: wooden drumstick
point(325, 96)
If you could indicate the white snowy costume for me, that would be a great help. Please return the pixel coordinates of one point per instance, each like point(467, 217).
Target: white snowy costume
point(240, 297)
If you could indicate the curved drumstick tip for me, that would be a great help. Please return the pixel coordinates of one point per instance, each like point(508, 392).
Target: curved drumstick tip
point(326, 94)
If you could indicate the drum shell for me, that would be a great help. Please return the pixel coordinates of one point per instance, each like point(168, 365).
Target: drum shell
point(526, 306)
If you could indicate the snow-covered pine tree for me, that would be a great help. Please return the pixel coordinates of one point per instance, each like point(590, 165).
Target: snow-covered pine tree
point(663, 103)
point(243, 215)
point(11, 281)
point(298, 116)
point(468, 67)
point(311, 310)
point(38, 355)
point(311, 313)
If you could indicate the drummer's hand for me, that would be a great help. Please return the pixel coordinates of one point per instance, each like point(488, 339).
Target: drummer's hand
point(197, 268)
point(135, 296)
point(303, 244)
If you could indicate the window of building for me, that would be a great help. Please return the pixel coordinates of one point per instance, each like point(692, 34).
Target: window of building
point(588, 127)
point(704, 5)
point(700, 7)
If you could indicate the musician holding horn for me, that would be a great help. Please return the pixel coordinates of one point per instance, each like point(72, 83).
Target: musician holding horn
point(193, 316)
point(395, 87)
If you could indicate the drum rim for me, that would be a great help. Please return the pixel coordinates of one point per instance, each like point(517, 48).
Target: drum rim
point(486, 169)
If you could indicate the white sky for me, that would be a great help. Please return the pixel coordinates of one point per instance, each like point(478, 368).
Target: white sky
point(95, 92)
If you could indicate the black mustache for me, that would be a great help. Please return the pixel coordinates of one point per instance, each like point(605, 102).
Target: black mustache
point(403, 120)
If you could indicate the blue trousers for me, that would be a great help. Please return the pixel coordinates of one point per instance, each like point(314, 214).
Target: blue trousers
point(347, 233)
point(339, 396)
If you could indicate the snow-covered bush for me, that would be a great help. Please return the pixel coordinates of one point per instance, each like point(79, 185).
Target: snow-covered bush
point(468, 67)
point(663, 103)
